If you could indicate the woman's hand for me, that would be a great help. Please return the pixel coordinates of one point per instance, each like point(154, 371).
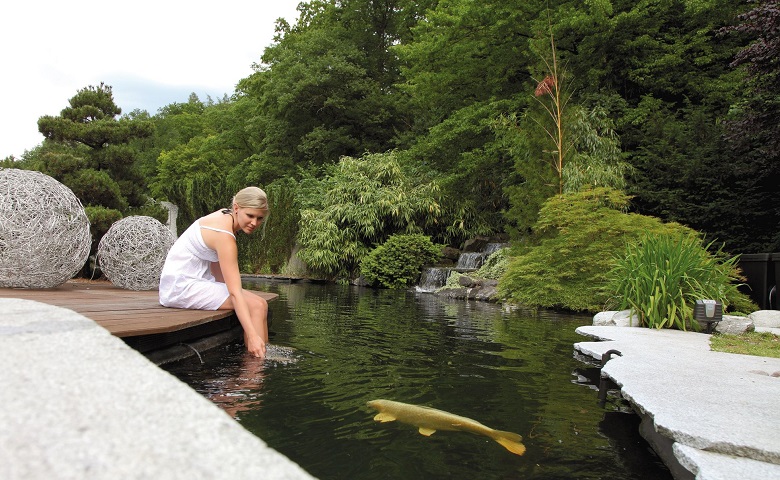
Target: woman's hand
point(255, 346)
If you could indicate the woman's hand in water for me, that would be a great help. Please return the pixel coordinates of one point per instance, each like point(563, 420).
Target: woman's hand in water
point(256, 346)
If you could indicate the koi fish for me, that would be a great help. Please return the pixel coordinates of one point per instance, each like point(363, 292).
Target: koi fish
point(428, 420)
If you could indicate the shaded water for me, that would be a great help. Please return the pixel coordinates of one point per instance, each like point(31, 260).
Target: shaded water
point(508, 370)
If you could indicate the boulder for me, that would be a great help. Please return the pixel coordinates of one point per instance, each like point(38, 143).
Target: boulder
point(765, 318)
point(450, 253)
point(604, 319)
point(484, 293)
point(476, 244)
point(733, 325)
point(612, 318)
point(624, 318)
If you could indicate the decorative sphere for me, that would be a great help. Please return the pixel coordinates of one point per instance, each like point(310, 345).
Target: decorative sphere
point(132, 252)
point(44, 231)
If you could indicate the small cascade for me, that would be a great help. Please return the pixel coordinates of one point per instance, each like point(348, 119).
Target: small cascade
point(492, 248)
point(469, 261)
point(433, 278)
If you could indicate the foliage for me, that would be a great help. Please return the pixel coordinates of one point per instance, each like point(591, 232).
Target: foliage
point(495, 265)
point(100, 220)
point(92, 146)
point(268, 251)
point(753, 131)
point(762, 344)
point(596, 159)
point(574, 242)
point(457, 153)
point(674, 101)
point(96, 188)
point(660, 277)
point(326, 86)
point(362, 202)
point(397, 262)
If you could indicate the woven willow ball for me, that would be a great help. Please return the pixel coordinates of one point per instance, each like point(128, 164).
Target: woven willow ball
point(44, 231)
point(132, 252)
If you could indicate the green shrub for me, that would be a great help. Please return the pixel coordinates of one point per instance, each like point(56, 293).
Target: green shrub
point(96, 187)
point(361, 202)
point(495, 265)
point(660, 278)
point(397, 262)
point(574, 244)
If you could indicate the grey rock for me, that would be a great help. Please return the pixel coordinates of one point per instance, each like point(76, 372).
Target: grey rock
point(734, 325)
point(765, 318)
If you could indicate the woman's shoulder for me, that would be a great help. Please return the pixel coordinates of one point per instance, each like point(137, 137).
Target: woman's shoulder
point(217, 219)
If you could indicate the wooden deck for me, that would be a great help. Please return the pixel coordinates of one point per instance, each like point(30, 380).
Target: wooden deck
point(124, 313)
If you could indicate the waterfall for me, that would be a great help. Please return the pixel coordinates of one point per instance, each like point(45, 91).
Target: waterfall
point(433, 278)
point(491, 248)
point(470, 261)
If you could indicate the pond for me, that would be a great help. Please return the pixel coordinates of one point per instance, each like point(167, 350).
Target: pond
point(510, 370)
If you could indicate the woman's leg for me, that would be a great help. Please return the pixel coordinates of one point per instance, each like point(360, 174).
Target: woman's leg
point(258, 312)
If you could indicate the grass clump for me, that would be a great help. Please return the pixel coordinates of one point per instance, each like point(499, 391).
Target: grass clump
point(762, 344)
point(660, 277)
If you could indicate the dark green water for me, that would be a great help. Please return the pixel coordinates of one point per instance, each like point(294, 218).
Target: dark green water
point(508, 370)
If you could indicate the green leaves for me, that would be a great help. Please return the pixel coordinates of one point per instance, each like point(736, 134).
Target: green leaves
point(397, 262)
point(362, 202)
point(574, 242)
point(660, 277)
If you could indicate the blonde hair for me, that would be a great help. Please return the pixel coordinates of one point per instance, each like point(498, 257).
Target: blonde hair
point(251, 197)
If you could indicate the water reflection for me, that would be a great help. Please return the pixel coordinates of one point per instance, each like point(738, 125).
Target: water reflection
point(510, 370)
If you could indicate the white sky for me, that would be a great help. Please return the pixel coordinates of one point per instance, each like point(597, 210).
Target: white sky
point(151, 52)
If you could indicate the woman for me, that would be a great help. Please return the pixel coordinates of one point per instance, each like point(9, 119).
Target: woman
point(201, 269)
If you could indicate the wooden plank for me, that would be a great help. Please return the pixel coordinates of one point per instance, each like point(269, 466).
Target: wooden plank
point(124, 313)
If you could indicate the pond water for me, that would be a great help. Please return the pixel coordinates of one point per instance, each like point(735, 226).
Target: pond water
point(511, 371)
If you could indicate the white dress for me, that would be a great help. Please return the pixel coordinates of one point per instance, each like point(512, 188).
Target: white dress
point(186, 280)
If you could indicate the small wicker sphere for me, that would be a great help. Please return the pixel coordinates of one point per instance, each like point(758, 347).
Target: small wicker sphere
point(44, 231)
point(132, 252)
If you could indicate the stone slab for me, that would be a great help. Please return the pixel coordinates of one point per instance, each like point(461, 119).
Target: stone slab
point(710, 401)
point(77, 403)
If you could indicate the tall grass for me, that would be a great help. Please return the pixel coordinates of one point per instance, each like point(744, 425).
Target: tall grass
point(661, 277)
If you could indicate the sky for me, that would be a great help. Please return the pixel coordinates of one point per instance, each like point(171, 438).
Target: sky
point(151, 52)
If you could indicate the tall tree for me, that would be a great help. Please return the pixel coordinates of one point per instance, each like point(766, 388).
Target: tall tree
point(107, 174)
point(754, 130)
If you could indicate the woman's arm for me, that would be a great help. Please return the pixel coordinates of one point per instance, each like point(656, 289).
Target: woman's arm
point(227, 252)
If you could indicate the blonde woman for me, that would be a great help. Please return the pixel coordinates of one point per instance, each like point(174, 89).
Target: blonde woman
point(201, 269)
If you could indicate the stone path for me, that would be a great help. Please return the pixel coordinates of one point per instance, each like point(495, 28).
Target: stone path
point(716, 414)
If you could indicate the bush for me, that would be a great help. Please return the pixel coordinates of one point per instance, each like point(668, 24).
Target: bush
point(495, 265)
point(575, 241)
point(361, 203)
point(397, 262)
point(660, 278)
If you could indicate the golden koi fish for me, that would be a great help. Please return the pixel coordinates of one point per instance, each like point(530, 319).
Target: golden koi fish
point(428, 420)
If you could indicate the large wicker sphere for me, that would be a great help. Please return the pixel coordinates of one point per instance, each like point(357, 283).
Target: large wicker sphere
point(132, 252)
point(44, 231)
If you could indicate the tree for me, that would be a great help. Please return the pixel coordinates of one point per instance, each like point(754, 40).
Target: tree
point(90, 130)
point(325, 89)
point(754, 131)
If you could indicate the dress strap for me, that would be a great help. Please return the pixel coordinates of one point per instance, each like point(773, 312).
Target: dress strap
point(218, 230)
